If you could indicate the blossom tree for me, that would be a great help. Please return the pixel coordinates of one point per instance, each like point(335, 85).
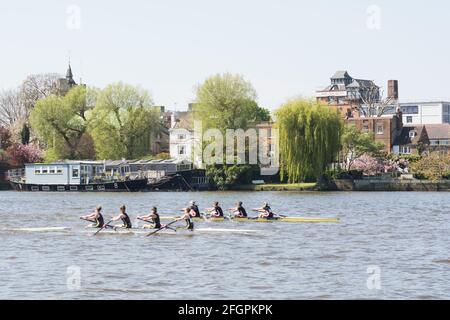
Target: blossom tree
point(19, 154)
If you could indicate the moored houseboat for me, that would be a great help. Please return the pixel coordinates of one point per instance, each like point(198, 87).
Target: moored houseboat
point(72, 176)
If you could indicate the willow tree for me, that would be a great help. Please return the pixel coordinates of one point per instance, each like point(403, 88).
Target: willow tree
point(62, 122)
point(123, 122)
point(310, 136)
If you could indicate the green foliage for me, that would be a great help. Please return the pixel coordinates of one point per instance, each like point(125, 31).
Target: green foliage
point(227, 101)
point(122, 122)
point(356, 143)
point(309, 136)
point(226, 176)
point(62, 122)
point(25, 134)
point(432, 167)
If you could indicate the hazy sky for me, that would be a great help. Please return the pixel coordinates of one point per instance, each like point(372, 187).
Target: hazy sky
point(284, 47)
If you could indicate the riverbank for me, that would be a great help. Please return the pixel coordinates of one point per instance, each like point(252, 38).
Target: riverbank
point(278, 187)
point(386, 185)
point(4, 186)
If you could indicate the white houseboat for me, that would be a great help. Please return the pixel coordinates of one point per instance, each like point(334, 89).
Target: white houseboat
point(72, 176)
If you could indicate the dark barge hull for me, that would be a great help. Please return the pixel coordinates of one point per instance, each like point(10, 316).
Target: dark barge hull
point(123, 186)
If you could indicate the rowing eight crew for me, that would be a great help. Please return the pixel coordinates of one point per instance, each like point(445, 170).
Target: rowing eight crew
point(154, 220)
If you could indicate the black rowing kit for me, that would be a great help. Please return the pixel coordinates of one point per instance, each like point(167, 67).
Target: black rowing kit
point(242, 211)
point(156, 221)
point(219, 211)
point(99, 221)
point(126, 221)
point(196, 210)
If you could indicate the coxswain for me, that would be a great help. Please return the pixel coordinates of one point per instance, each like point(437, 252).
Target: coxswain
point(124, 217)
point(153, 218)
point(216, 211)
point(96, 217)
point(239, 211)
point(265, 212)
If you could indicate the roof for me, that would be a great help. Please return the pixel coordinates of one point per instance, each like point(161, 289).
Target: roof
point(438, 131)
point(340, 75)
point(404, 137)
point(184, 120)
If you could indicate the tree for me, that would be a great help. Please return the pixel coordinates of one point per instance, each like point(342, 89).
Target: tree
point(227, 101)
point(371, 166)
point(356, 143)
point(62, 122)
point(20, 154)
point(373, 103)
point(5, 138)
point(226, 176)
point(11, 107)
point(433, 166)
point(36, 87)
point(310, 139)
point(123, 121)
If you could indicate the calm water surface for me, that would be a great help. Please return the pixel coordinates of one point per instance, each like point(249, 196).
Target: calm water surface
point(405, 235)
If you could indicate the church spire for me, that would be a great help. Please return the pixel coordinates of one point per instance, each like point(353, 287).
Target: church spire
point(69, 75)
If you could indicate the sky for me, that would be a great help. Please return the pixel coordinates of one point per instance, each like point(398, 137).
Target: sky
point(285, 48)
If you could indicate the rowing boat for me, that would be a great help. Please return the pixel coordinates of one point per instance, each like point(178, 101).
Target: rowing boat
point(131, 231)
point(281, 219)
point(45, 229)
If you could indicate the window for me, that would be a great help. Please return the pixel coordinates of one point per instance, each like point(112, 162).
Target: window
point(59, 170)
point(181, 136)
point(44, 170)
point(37, 170)
point(365, 127)
point(410, 109)
point(409, 119)
point(380, 128)
point(181, 150)
point(434, 142)
point(405, 150)
point(412, 134)
point(52, 170)
point(75, 173)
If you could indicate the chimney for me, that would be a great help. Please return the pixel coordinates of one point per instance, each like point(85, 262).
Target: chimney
point(393, 89)
point(173, 120)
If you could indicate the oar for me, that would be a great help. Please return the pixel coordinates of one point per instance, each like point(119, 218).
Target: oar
point(104, 227)
point(165, 227)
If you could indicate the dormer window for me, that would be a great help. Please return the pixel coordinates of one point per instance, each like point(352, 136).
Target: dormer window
point(412, 134)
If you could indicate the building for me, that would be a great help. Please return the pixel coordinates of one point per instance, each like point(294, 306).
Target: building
point(63, 85)
point(415, 113)
point(423, 138)
point(347, 93)
point(411, 140)
point(385, 129)
point(182, 135)
point(439, 137)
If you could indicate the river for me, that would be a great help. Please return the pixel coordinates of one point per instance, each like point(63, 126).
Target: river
point(387, 246)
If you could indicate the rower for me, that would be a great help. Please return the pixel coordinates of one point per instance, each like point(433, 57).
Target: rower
point(187, 217)
point(265, 212)
point(193, 210)
point(96, 217)
point(153, 218)
point(216, 210)
point(124, 217)
point(239, 211)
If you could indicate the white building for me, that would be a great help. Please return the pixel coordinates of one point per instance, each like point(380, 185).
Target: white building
point(415, 113)
point(182, 138)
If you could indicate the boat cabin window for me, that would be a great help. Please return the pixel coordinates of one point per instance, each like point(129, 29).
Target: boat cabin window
point(75, 173)
point(59, 170)
point(44, 170)
point(37, 170)
point(52, 170)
